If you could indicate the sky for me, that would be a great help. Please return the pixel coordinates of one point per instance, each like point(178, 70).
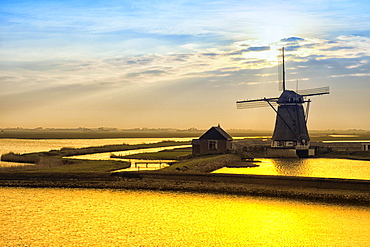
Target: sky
point(180, 64)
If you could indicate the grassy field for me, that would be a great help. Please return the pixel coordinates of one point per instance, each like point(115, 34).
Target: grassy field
point(358, 155)
point(334, 136)
point(203, 164)
point(62, 165)
point(76, 166)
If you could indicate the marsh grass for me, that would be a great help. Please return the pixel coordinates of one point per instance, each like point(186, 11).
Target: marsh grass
point(71, 165)
point(62, 165)
point(204, 164)
point(173, 154)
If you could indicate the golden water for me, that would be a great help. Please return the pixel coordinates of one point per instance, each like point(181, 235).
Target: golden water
point(319, 167)
point(87, 217)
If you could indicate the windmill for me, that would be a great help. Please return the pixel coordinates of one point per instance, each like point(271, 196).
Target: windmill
point(291, 119)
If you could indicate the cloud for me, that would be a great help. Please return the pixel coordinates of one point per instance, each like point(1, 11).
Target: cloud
point(337, 48)
point(351, 75)
point(146, 73)
point(292, 39)
point(292, 48)
point(260, 48)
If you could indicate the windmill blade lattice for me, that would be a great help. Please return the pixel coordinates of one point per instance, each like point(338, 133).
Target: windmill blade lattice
point(255, 103)
point(314, 91)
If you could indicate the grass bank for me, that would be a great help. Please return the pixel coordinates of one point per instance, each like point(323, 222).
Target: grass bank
point(203, 164)
point(61, 165)
point(173, 154)
point(103, 180)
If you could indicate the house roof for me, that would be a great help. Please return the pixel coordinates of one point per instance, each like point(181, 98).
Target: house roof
point(216, 133)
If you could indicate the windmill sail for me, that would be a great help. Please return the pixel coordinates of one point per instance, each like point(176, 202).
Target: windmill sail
point(314, 91)
point(255, 103)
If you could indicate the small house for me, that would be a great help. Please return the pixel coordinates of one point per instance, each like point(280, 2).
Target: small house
point(214, 141)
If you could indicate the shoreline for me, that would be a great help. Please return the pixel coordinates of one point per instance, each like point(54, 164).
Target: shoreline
point(204, 183)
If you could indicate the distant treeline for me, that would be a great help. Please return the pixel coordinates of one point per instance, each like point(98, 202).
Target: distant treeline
point(100, 133)
point(115, 133)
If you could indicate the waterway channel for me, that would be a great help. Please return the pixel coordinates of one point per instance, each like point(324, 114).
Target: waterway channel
point(88, 217)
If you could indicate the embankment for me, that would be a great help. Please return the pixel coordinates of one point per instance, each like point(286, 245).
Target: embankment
point(314, 189)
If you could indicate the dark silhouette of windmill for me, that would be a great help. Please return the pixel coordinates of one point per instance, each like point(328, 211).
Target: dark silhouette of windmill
point(291, 119)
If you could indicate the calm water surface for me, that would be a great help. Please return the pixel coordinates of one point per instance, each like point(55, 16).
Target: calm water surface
point(87, 217)
point(317, 167)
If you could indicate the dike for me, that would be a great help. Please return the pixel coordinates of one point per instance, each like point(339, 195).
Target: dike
point(330, 190)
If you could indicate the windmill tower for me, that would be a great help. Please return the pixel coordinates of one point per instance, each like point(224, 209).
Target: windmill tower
point(291, 119)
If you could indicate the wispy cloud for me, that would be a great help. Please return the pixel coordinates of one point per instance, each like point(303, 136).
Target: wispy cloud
point(350, 75)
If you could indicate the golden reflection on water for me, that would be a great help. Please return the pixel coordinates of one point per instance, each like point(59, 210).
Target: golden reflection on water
point(318, 167)
point(106, 155)
point(86, 217)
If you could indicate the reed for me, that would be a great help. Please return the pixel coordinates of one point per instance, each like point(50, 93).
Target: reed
point(204, 165)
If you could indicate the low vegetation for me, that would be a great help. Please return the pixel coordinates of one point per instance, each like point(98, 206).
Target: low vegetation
point(74, 165)
point(173, 154)
point(62, 165)
point(358, 155)
point(203, 164)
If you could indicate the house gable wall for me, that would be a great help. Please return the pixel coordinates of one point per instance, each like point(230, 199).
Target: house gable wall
point(214, 141)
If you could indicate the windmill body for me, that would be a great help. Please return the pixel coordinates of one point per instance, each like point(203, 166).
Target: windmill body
point(291, 118)
point(290, 126)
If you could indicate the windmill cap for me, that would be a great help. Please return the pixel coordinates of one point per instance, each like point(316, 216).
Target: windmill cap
point(290, 97)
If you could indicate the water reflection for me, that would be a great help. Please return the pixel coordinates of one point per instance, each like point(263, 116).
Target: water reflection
point(86, 217)
point(290, 167)
point(319, 167)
